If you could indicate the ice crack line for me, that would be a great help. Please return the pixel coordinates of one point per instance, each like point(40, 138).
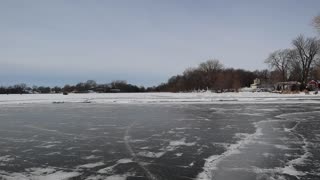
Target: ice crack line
point(126, 139)
point(303, 157)
point(289, 168)
point(212, 162)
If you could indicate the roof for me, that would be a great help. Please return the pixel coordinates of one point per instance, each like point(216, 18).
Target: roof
point(289, 83)
point(314, 81)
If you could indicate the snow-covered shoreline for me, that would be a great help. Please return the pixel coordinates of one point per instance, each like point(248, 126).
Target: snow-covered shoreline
point(141, 98)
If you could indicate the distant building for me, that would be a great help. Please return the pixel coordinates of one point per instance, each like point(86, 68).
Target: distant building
point(262, 85)
point(256, 84)
point(115, 90)
point(287, 86)
point(313, 85)
point(259, 86)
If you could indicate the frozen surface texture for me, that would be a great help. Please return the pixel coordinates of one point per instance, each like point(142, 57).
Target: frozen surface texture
point(162, 140)
point(138, 98)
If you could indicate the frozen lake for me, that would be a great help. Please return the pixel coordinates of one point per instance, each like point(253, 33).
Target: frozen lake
point(160, 141)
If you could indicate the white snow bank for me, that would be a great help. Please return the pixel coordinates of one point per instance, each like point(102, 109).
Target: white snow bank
point(242, 97)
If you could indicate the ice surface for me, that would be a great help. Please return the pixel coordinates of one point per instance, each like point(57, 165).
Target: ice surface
point(261, 140)
point(213, 161)
point(6, 158)
point(90, 157)
point(113, 177)
point(110, 168)
point(241, 97)
point(181, 142)
point(123, 161)
point(150, 154)
point(116, 177)
point(57, 175)
point(91, 165)
point(279, 146)
point(39, 174)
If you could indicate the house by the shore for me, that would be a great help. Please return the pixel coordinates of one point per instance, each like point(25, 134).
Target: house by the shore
point(287, 86)
point(313, 85)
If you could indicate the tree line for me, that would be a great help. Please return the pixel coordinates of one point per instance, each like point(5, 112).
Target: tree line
point(82, 87)
point(209, 75)
point(213, 76)
point(299, 63)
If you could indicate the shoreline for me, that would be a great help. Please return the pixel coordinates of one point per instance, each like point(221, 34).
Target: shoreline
point(160, 98)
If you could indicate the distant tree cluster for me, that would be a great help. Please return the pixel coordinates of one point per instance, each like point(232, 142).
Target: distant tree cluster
point(300, 63)
point(211, 75)
point(15, 89)
point(82, 87)
point(92, 86)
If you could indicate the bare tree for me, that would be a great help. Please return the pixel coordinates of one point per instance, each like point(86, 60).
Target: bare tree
point(210, 66)
point(280, 60)
point(306, 50)
point(316, 23)
point(210, 69)
point(90, 84)
point(296, 69)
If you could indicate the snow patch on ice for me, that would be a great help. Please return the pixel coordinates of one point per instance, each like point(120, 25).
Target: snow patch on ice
point(39, 174)
point(137, 140)
point(124, 161)
point(181, 142)
point(6, 158)
point(267, 155)
point(113, 177)
point(53, 153)
point(96, 150)
point(116, 177)
point(289, 168)
point(91, 165)
point(93, 129)
point(110, 168)
point(279, 146)
point(47, 146)
point(224, 145)
point(212, 162)
point(150, 154)
point(90, 157)
point(191, 164)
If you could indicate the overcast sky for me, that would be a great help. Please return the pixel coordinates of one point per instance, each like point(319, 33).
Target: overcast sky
point(142, 41)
